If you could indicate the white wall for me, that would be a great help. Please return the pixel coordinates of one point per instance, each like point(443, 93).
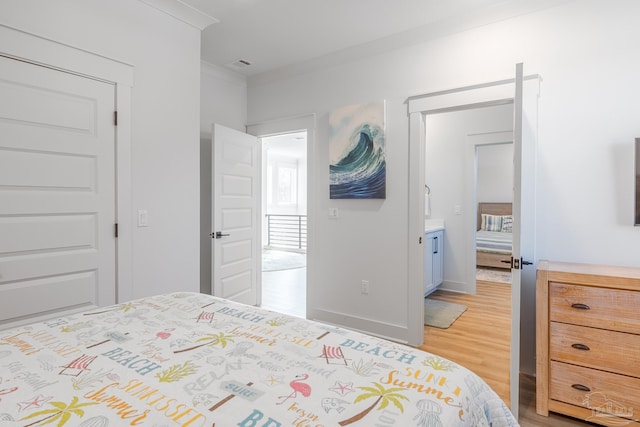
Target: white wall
point(587, 54)
point(165, 54)
point(495, 173)
point(223, 100)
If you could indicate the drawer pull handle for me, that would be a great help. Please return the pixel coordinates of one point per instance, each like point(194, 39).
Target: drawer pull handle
point(581, 306)
point(580, 387)
point(580, 347)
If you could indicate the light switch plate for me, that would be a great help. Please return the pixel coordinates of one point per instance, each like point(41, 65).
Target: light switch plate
point(143, 218)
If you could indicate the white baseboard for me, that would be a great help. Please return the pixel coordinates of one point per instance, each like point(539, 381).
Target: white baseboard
point(389, 331)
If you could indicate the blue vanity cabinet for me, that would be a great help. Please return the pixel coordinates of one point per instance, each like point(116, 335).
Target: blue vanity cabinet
point(433, 259)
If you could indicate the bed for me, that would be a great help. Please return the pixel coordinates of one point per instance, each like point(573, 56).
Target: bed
point(494, 236)
point(193, 360)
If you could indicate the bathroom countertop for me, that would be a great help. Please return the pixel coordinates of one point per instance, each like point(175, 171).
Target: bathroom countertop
point(433, 225)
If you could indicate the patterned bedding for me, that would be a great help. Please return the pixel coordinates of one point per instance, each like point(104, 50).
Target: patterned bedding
point(493, 241)
point(194, 360)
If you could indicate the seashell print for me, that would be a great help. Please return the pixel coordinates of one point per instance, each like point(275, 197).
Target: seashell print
point(98, 421)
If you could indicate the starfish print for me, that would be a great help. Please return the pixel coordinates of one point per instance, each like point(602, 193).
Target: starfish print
point(36, 401)
point(342, 388)
point(272, 380)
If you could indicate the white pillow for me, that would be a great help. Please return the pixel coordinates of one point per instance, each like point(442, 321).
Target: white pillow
point(507, 224)
point(491, 222)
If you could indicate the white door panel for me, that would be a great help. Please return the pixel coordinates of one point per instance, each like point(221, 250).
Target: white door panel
point(47, 170)
point(46, 233)
point(236, 252)
point(46, 106)
point(235, 214)
point(23, 267)
point(57, 192)
point(49, 293)
point(54, 202)
point(39, 137)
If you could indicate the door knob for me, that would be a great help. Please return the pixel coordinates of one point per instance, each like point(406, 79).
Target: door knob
point(217, 235)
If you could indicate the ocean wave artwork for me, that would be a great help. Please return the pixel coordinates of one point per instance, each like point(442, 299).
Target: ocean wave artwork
point(357, 165)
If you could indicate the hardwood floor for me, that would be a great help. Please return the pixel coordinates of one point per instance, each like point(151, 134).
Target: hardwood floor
point(479, 340)
point(284, 291)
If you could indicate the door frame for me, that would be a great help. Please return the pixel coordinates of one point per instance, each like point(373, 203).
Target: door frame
point(28, 47)
point(306, 122)
point(469, 97)
point(473, 142)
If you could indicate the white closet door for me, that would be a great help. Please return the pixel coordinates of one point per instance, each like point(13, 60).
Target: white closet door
point(57, 192)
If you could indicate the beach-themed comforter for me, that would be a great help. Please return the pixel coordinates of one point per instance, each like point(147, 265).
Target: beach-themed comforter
point(194, 360)
point(494, 241)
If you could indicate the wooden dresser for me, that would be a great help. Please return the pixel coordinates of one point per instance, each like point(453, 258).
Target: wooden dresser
point(588, 342)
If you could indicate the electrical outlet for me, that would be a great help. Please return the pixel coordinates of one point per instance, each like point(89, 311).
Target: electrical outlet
point(364, 287)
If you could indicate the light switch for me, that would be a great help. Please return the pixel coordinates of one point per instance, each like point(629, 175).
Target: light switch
point(457, 209)
point(334, 213)
point(143, 218)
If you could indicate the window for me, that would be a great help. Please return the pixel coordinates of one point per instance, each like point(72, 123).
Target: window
point(287, 185)
point(282, 183)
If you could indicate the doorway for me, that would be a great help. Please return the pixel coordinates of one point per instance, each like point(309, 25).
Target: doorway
point(523, 92)
point(284, 222)
point(469, 163)
point(494, 201)
point(452, 141)
point(296, 126)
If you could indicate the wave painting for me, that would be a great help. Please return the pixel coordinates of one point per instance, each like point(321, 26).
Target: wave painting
point(357, 166)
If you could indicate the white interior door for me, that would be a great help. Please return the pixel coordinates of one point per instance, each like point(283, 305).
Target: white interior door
point(523, 273)
point(514, 377)
point(57, 192)
point(235, 227)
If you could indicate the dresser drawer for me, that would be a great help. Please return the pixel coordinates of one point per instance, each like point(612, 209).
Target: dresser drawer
point(602, 308)
point(595, 348)
point(605, 392)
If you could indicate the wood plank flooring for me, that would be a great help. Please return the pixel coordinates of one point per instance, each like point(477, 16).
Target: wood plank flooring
point(284, 291)
point(479, 340)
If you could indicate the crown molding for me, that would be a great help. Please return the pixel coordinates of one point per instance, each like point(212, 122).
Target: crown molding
point(183, 12)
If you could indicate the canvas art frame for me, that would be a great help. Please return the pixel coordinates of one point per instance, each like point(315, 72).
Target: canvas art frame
point(357, 158)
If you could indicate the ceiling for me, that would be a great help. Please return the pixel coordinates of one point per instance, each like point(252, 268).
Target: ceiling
point(288, 144)
point(273, 34)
